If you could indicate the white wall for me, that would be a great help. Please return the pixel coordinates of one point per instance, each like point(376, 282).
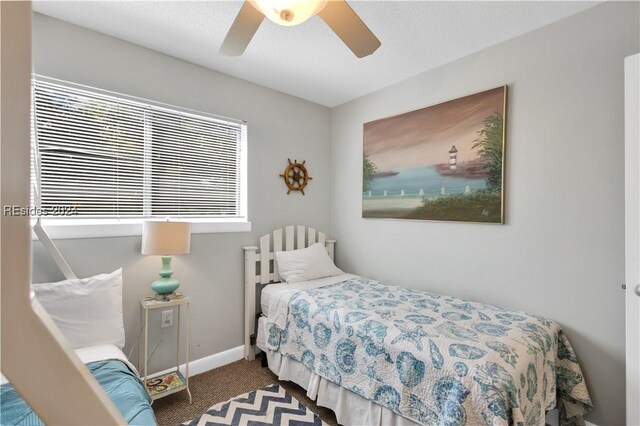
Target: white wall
point(561, 251)
point(279, 127)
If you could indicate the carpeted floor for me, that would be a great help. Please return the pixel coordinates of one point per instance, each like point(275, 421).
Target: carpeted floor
point(222, 384)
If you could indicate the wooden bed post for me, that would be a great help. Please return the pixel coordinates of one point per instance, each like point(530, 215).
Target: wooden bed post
point(330, 245)
point(31, 342)
point(249, 301)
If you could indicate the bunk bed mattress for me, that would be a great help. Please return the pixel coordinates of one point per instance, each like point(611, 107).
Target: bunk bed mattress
point(428, 357)
point(117, 376)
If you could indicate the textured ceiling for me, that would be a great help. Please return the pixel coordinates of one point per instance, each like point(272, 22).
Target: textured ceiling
point(308, 60)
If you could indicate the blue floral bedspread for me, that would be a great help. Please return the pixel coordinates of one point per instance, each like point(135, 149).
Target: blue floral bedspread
point(432, 358)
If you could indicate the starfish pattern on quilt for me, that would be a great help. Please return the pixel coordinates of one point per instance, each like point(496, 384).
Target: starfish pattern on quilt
point(414, 335)
point(434, 359)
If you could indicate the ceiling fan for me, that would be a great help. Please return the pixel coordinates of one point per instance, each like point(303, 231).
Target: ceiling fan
point(336, 13)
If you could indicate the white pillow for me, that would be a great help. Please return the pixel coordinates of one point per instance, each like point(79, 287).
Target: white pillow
point(305, 264)
point(88, 311)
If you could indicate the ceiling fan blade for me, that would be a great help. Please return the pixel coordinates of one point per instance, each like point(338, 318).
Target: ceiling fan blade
point(242, 30)
point(350, 28)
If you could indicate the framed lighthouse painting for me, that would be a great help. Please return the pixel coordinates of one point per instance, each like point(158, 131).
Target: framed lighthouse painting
point(442, 162)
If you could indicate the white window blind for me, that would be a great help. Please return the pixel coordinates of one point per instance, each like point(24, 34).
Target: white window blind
point(105, 156)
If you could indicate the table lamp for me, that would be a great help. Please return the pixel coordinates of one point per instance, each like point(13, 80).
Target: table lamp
point(165, 238)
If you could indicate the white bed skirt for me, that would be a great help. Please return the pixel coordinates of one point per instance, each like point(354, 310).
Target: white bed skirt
point(349, 407)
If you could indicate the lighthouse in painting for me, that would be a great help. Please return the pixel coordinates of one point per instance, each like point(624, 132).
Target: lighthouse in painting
point(453, 158)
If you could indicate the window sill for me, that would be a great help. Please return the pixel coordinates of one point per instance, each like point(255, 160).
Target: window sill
point(90, 228)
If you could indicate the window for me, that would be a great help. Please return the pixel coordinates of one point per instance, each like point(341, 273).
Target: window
point(118, 159)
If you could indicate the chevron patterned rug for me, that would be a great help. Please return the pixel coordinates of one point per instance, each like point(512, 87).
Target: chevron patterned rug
point(269, 406)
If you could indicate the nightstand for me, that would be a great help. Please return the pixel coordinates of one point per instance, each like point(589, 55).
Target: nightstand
point(173, 381)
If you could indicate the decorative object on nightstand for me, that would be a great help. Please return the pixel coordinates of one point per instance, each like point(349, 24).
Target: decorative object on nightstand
point(165, 238)
point(296, 176)
point(173, 381)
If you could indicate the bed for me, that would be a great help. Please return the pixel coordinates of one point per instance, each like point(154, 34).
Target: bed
point(89, 314)
point(111, 368)
point(380, 354)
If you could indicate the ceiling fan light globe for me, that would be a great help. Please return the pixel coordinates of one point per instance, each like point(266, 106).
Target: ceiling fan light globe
point(286, 15)
point(289, 12)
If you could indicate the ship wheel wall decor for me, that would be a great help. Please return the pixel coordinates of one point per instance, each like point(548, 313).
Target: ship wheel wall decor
point(296, 176)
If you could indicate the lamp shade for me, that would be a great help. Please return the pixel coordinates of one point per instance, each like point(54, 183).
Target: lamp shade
point(166, 238)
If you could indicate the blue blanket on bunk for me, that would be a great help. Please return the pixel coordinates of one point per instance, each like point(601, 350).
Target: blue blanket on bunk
point(121, 384)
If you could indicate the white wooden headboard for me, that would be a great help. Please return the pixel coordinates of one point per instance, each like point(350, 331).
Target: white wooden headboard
point(259, 269)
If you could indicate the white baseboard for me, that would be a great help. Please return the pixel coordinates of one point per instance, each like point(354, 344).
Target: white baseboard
point(207, 363)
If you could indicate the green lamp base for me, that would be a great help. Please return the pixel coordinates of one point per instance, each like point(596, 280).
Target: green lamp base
point(165, 285)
